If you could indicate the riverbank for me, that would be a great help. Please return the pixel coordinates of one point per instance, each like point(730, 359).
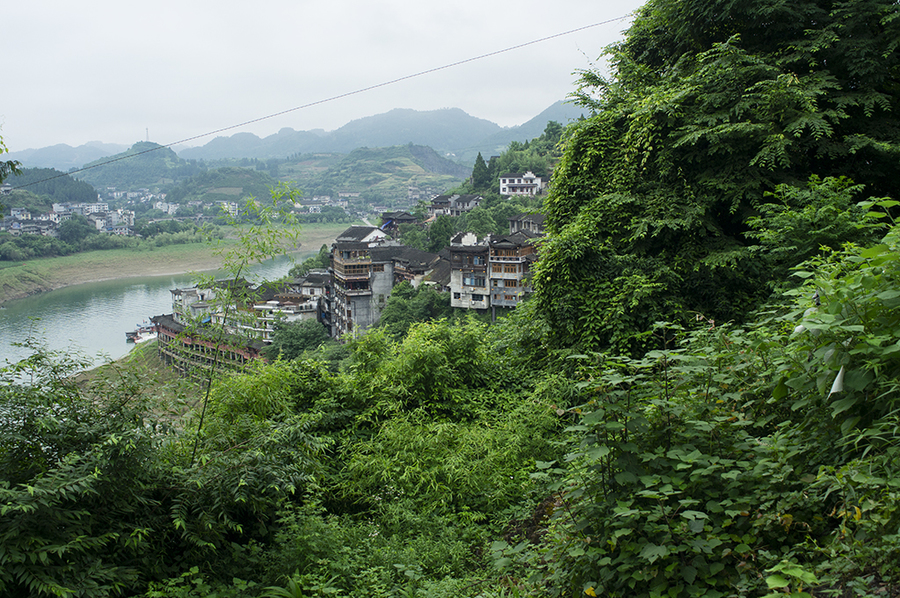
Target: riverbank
point(23, 279)
point(154, 381)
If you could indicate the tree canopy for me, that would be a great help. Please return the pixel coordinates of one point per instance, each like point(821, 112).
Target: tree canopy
point(711, 107)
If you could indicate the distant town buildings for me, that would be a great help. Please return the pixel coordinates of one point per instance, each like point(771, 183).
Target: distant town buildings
point(21, 222)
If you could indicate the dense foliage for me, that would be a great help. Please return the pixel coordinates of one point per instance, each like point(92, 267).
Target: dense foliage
point(54, 185)
point(712, 107)
point(144, 164)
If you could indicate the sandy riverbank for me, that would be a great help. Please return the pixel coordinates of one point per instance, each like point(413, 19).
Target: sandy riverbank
point(23, 279)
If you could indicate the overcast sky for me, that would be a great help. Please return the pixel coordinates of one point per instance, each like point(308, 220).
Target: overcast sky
point(110, 70)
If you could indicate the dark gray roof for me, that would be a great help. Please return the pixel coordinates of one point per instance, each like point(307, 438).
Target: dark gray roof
point(536, 218)
point(355, 233)
point(440, 274)
point(414, 258)
point(517, 239)
point(315, 279)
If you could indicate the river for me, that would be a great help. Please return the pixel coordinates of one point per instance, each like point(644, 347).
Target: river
point(92, 319)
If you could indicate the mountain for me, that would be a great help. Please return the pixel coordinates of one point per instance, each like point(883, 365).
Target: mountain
point(493, 145)
point(444, 130)
point(147, 165)
point(450, 131)
point(64, 157)
point(382, 174)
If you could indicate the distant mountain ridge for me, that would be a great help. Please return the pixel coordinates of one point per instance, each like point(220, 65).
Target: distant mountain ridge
point(450, 131)
point(64, 157)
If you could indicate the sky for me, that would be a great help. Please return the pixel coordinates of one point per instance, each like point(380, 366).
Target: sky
point(185, 71)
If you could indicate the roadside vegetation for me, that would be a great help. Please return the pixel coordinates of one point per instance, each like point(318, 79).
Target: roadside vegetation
point(701, 398)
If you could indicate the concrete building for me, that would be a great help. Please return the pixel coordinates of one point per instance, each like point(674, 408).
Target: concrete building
point(491, 272)
point(365, 266)
point(453, 205)
point(469, 272)
point(517, 183)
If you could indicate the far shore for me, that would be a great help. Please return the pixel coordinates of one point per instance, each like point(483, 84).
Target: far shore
point(21, 280)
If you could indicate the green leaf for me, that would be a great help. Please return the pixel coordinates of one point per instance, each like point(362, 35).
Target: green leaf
point(776, 581)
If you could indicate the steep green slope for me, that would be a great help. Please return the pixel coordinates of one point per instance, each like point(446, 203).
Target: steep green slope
point(145, 164)
point(223, 184)
point(377, 172)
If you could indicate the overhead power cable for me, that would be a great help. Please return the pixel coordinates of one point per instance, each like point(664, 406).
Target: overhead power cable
point(334, 98)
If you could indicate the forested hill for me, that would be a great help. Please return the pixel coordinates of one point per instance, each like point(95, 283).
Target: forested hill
point(145, 164)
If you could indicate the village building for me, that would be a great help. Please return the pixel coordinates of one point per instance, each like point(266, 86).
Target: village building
point(391, 221)
point(454, 205)
point(510, 259)
point(469, 272)
point(365, 266)
point(517, 183)
point(533, 223)
point(492, 272)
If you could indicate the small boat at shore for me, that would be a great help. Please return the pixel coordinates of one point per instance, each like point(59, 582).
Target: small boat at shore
point(141, 334)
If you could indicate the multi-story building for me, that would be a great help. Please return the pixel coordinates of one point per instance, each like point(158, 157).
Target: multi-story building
point(469, 272)
point(517, 183)
point(365, 266)
point(509, 260)
point(360, 285)
point(492, 272)
point(533, 223)
point(391, 221)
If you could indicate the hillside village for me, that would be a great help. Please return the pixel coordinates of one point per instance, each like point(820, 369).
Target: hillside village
point(366, 263)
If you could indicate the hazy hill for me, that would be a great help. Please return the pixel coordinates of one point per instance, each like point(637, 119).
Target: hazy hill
point(64, 157)
point(381, 174)
point(247, 145)
point(223, 184)
point(450, 132)
point(444, 130)
point(145, 164)
point(494, 145)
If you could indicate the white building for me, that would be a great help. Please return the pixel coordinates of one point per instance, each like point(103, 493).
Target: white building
point(520, 184)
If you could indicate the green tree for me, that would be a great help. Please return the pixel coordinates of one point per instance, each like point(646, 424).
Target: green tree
point(407, 306)
point(8, 167)
point(292, 339)
point(76, 229)
point(712, 105)
point(412, 235)
point(320, 260)
point(439, 233)
point(481, 176)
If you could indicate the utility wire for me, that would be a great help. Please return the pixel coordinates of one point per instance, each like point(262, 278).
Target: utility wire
point(334, 98)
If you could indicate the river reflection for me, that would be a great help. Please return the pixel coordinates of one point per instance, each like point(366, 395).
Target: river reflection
point(92, 319)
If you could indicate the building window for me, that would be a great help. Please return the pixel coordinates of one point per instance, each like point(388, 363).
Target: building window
point(479, 260)
point(510, 268)
point(456, 295)
point(510, 283)
point(509, 297)
point(477, 297)
point(473, 281)
point(377, 267)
